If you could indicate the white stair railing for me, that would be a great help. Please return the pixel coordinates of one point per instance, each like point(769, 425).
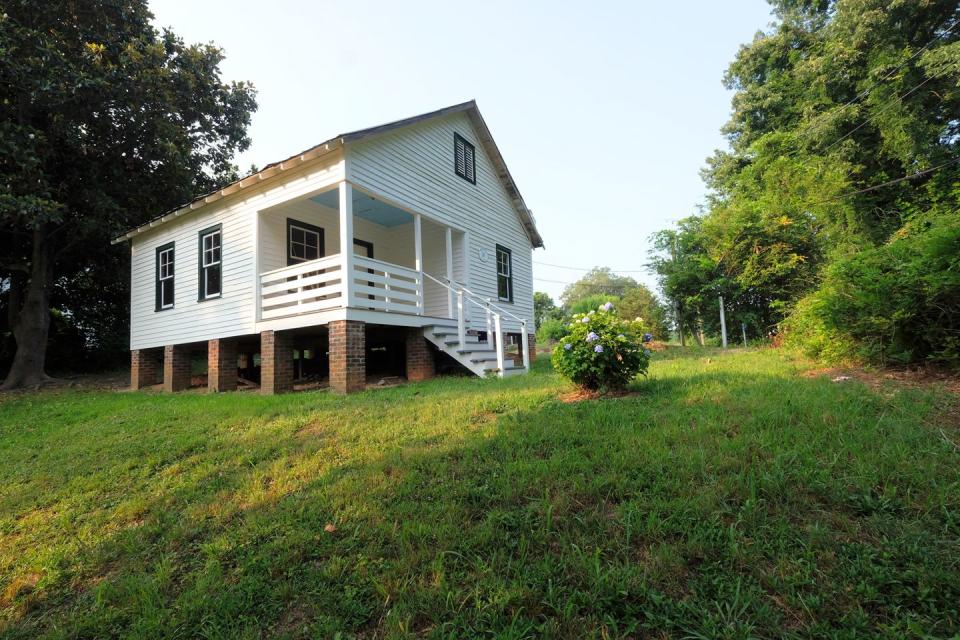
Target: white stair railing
point(494, 321)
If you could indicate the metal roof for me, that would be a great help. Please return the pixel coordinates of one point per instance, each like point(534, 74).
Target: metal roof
point(275, 168)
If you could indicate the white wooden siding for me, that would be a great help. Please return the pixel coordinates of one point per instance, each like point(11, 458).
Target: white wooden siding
point(413, 167)
point(234, 313)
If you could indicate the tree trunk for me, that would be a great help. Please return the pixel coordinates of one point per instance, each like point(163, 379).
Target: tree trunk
point(31, 321)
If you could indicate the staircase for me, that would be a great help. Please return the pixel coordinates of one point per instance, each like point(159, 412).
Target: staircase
point(478, 357)
point(482, 358)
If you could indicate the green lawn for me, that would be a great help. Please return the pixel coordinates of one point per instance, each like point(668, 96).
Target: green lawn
point(730, 498)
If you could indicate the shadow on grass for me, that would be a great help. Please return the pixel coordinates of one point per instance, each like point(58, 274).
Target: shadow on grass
point(717, 503)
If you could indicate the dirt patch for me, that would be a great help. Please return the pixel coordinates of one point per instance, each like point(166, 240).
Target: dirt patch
point(914, 378)
point(581, 395)
point(114, 381)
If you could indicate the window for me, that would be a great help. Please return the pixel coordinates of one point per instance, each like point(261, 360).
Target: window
point(464, 159)
point(504, 274)
point(164, 277)
point(209, 265)
point(304, 242)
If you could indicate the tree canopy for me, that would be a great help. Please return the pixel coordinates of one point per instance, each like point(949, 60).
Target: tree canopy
point(105, 123)
point(844, 135)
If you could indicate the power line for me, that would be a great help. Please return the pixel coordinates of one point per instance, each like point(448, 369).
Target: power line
point(912, 176)
point(884, 107)
point(561, 266)
point(901, 66)
point(585, 284)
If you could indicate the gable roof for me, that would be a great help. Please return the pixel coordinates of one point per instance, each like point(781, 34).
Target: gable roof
point(274, 168)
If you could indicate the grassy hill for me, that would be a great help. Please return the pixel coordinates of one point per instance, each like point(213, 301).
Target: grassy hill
point(730, 497)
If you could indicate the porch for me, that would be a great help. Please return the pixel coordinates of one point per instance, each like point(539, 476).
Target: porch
point(303, 270)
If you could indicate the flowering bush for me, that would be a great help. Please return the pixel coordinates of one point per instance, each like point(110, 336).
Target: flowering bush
point(601, 352)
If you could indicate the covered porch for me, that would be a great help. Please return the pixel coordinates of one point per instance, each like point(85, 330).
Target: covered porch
point(303, 269)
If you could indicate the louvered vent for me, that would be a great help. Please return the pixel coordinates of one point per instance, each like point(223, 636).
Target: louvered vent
point(464, 159)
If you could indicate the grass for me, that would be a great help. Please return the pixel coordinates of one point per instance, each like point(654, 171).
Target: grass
point(731, 497)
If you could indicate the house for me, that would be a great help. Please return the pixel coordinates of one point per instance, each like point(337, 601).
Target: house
point(396, 250)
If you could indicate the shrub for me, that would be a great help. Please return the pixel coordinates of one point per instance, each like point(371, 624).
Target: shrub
point(551, 330)
point(591, 302)
point(602, 352)
point(895, 303)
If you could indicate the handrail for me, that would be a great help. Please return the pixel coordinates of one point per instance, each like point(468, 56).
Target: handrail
point(497, 327)
point(476, 298)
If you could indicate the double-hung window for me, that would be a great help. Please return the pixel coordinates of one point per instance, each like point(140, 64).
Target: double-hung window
point(504, 274)
point(164, 277)
point(210, 264)
point(464, 159)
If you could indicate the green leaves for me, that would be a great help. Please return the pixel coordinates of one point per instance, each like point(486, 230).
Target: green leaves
point(601, 352)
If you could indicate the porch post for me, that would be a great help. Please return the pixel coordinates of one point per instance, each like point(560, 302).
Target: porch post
point(449, 252)
point(418, 259)
point(346, 241)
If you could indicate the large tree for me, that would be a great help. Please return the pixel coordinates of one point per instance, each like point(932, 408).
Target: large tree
point(597, 281)
point(105, 121)
point(844, 132)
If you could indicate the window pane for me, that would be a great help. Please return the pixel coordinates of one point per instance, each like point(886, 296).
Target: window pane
point(216, 254)
point(502, 288)
point(213, 280)
point(296, 235)
point(166, 293)
point(296, 251)
point(310, 253)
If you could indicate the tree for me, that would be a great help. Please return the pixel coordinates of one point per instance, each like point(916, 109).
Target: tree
point(844, 134)
point(599, 280)
point(544, 309)
point(641, 303)
point(104, 123)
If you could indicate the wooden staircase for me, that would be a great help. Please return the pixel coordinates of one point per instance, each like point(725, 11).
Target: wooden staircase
point(479, 357)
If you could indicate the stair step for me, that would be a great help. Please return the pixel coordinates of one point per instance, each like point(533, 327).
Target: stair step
point(451, 343)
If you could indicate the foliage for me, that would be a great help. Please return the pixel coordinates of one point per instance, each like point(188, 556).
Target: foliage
point(544, 309)
point(552, 330)
point(731, 494)
point(838, 98)
point(591, 302)
point(105, 123)
point(601, 352)
point(899, 302)
point(641, 303)
point(597, 281)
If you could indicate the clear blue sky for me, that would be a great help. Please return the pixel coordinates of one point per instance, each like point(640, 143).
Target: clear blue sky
point(604, 112)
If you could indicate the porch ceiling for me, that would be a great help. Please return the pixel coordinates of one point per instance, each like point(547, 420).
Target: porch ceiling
point(367, 208)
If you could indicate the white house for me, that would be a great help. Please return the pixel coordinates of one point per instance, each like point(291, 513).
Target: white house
point(394, 250)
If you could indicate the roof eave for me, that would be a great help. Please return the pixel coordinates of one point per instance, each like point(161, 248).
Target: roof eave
point(267, 172)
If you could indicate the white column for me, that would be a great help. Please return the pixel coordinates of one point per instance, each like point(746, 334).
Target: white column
point(346, 242)
point(499, 330)
point(449, 254)
point(525, 345)
point(418, 260)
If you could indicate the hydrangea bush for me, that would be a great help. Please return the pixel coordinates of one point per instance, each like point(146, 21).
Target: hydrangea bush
point(602, 352)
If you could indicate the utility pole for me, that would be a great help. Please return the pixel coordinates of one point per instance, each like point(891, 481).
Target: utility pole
point(743, 328)
point(676, 305)
point(723, 324)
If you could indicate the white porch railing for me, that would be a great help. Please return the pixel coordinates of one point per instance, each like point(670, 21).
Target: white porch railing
point(318, 285)
point(301, 288)
point(383, 286)
point(494, 321)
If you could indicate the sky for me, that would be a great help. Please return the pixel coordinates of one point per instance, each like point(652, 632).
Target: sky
point(605, 112)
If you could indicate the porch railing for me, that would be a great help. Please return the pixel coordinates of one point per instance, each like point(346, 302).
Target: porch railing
point(383, 286)
point(301, 288)
point(495, 316)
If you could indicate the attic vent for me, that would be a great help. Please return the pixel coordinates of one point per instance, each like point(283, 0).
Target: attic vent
point(464, 159)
